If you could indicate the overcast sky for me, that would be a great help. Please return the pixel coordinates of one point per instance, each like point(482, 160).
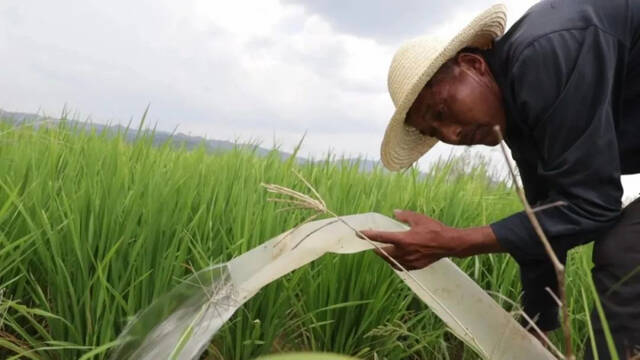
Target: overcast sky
point(267, 70)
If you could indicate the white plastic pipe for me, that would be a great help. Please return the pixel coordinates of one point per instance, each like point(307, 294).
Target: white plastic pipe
point(471, 314)
point(183, 322)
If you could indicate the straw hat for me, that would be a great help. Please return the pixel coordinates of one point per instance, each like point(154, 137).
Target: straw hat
point(411, 68)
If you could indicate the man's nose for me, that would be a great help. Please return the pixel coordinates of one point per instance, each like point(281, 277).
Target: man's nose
point(451, 133)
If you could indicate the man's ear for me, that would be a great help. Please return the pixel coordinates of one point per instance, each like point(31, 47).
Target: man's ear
point(474, 62)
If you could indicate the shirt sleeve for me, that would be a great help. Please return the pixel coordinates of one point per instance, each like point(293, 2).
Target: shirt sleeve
point(563, 86)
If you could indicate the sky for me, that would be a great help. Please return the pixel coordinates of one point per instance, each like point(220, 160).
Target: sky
point(269, 71)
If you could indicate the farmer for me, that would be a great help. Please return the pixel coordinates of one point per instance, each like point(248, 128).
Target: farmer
point(563, 86)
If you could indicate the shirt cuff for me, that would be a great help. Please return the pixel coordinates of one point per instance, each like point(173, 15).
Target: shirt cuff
point(516, 235)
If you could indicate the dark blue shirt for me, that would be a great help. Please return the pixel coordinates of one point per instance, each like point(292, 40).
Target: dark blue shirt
point(569, 72)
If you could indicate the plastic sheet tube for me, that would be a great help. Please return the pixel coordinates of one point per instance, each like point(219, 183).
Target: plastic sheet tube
point(180, 324)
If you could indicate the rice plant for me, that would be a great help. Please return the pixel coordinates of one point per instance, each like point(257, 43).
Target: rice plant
point(93, 228)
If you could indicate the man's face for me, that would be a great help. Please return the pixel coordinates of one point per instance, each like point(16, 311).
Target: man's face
point(461, 104)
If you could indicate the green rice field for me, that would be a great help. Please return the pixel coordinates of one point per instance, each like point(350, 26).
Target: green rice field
point(93, 228)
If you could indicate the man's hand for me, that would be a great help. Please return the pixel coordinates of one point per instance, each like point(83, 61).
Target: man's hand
point(429, 240)
point(425, 243)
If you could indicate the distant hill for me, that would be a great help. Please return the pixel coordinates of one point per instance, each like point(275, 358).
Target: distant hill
point(161, 137)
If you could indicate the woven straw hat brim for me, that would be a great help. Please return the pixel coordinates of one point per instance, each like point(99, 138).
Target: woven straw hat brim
point(403, 145)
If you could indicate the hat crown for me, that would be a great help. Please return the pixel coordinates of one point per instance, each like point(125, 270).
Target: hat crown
point(413, 65)
point(409, 64)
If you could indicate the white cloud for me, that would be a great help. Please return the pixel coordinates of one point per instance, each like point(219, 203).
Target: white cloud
point(200, 64)
point(245, 69)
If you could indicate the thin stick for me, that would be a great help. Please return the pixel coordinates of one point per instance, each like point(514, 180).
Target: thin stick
point(557, 265)
point(554, 296)
point(547, 206)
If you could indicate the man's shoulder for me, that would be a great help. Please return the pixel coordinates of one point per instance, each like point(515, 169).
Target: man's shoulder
point(550, 17)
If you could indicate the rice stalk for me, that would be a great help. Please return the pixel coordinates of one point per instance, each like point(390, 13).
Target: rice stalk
point(557, 265)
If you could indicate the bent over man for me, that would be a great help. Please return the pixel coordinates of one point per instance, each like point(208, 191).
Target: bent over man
point(563, 86)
